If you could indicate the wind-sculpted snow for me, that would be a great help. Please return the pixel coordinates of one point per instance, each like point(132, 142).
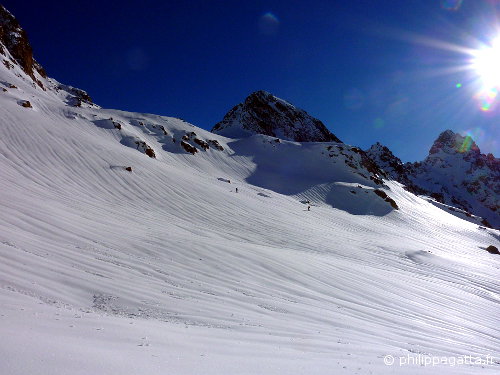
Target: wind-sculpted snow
point(165, 268)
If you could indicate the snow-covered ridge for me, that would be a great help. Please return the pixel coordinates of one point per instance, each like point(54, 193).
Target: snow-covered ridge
point(264, 113)
point(455, 173)
point(113, 261)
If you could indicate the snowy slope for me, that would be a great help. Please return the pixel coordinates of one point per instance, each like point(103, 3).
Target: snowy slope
point(454, 174)
point(166, 269)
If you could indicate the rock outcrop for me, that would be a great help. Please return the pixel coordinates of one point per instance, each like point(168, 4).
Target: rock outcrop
point(15, 40)
point(264, 113)
point(455, 173)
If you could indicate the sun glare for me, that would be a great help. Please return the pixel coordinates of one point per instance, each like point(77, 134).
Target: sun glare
point(487, 64)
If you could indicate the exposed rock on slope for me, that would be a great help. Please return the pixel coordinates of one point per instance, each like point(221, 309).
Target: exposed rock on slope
point(16, 55)
point(387, 161)
point(15, 40)
point(392, 166)
point(454, 173)
point(77, 96)
point(264, 113)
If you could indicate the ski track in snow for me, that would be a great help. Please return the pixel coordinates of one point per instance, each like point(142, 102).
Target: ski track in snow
point(168, 270)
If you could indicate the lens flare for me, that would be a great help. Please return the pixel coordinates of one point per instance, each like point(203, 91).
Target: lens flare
point(487, 64)
point(478, 134)
point(466, 144)
point(269, 24)
point(451, 4)
point(378, 123)
point(487, 99)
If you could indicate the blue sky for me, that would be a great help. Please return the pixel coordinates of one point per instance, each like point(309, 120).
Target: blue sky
point(371, 70)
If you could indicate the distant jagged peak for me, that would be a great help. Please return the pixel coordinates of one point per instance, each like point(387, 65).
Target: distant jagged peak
point(379, 149)
point(15, 39)
point(387, 161)
point(449, 142)
point(266, 96)
point(455, 173)
point(264, 113)
point(5, 13)
point(380, 153)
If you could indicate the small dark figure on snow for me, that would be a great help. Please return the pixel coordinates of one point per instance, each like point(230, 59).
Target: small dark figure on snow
point(308, 208)
point(236, 189)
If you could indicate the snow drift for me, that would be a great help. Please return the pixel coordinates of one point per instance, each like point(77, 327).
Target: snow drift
point(115, 261)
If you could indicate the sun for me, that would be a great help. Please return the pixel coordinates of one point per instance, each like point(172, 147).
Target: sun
point(487, 64)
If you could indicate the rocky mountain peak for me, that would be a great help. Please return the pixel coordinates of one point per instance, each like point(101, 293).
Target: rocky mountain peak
point(455, 173)
point(388, 162)
point(263, 113)
point(450, 142)
point(261, 95)
point(379, 150)
point(15, 40)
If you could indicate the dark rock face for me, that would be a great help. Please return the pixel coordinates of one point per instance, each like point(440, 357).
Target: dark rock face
point(15, 40)
point(263, 113)
point(492, 250)
point(358, 160)
point(392, 166)
point(448, 142)
point(215, 144)
point(149, 152)
point(386, 160)
point(191, 149)
point(77, 96)
point(145, 148)
point(385, 197)
point(200, 142)
point(454, 173)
